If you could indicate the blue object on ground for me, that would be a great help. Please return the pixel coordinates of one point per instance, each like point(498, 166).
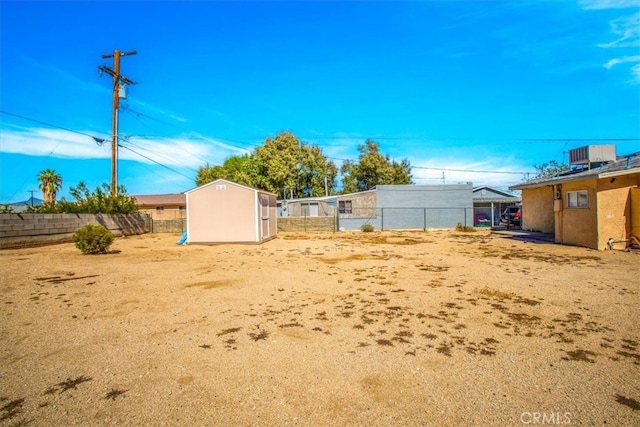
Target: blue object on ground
point(183, 239)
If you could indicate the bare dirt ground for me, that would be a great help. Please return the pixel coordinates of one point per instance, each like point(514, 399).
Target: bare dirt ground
point(391, 328)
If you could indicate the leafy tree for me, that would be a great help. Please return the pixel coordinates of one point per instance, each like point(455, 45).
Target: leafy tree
point(373, 169)
point(50, 184)
point(549, 169)
point(315, 170)
point(276, 163)
point(283, 165)
point(208, 174)
point(235, 168)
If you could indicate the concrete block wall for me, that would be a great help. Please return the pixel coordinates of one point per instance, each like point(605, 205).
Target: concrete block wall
point(169, 226)
point(24, 230)
point(302, 224)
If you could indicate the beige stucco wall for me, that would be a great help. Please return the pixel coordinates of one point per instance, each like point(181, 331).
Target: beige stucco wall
point(579, 225)
point(635, 212)
point(609, 214)
point(168, 213)
point(537, 209)
point(614, 209)
point(222, 215)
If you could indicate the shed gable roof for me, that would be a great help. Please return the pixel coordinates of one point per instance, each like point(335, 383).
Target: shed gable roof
point(225, 181)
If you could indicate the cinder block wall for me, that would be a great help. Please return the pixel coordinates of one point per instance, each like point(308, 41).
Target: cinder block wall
point(297, 224)
point(168, 226)
point(23, 230)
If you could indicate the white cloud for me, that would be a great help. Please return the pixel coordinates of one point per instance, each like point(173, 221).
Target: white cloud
point(627, 28)
point(622, 60)
point(635, 70)
point(608, 4)
point(190, 152)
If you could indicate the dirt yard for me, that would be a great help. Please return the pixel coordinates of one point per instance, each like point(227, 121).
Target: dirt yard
point(391, 328)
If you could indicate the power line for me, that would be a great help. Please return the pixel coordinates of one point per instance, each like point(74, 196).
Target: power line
point(424, 139)
point(151, 160)
point(99, 141)
point(470, 170)
point(96, 139)
point(126, 140)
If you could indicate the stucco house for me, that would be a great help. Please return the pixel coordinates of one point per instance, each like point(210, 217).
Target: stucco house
point(223, 212)
point(389, 207)
point(163, 207)
point(596, 207)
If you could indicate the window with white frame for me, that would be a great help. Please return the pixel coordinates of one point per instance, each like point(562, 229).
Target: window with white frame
point(577, 199)
point(344, 206)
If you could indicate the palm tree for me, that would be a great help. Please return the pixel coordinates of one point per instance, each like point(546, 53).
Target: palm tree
point(50, 183)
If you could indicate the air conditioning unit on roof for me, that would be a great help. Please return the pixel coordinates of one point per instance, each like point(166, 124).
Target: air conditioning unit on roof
point(592, 154)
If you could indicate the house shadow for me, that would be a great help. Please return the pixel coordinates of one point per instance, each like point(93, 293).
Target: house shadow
point(526, 236)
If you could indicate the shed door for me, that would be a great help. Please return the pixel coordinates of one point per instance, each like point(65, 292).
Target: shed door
point(264, 217)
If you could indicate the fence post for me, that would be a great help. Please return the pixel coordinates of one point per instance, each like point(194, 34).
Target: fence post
point(424, 214)
point(381, 219)
point(465, 217)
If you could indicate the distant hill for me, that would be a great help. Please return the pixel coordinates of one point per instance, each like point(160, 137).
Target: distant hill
point(22, 206)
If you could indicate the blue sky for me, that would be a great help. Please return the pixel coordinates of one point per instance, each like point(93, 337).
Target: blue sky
point(455, 87)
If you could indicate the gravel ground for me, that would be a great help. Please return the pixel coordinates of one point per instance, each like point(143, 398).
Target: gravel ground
point(383, 328)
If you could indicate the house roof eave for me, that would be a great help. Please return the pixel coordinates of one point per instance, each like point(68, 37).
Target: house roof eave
point(576, 178)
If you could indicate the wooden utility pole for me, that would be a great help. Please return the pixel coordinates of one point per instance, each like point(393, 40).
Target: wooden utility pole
point(119, 83)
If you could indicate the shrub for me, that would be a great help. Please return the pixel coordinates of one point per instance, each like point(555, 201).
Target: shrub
point(93, 239)
point(367, 228)
point(460, 227)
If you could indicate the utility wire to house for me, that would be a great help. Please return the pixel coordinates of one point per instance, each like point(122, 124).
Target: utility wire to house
point(95, 138)
point(153, 161)
point(127, 140)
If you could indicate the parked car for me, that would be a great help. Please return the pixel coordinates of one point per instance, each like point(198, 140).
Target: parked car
point(512, 215)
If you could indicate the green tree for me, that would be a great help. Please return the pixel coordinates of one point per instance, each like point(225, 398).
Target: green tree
point(275, 164)
point(316, 175)
point(283, 165)
point(207, 174)
point(50, 184)
point(235, 168)
point(549, 169)
point(373, 169)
